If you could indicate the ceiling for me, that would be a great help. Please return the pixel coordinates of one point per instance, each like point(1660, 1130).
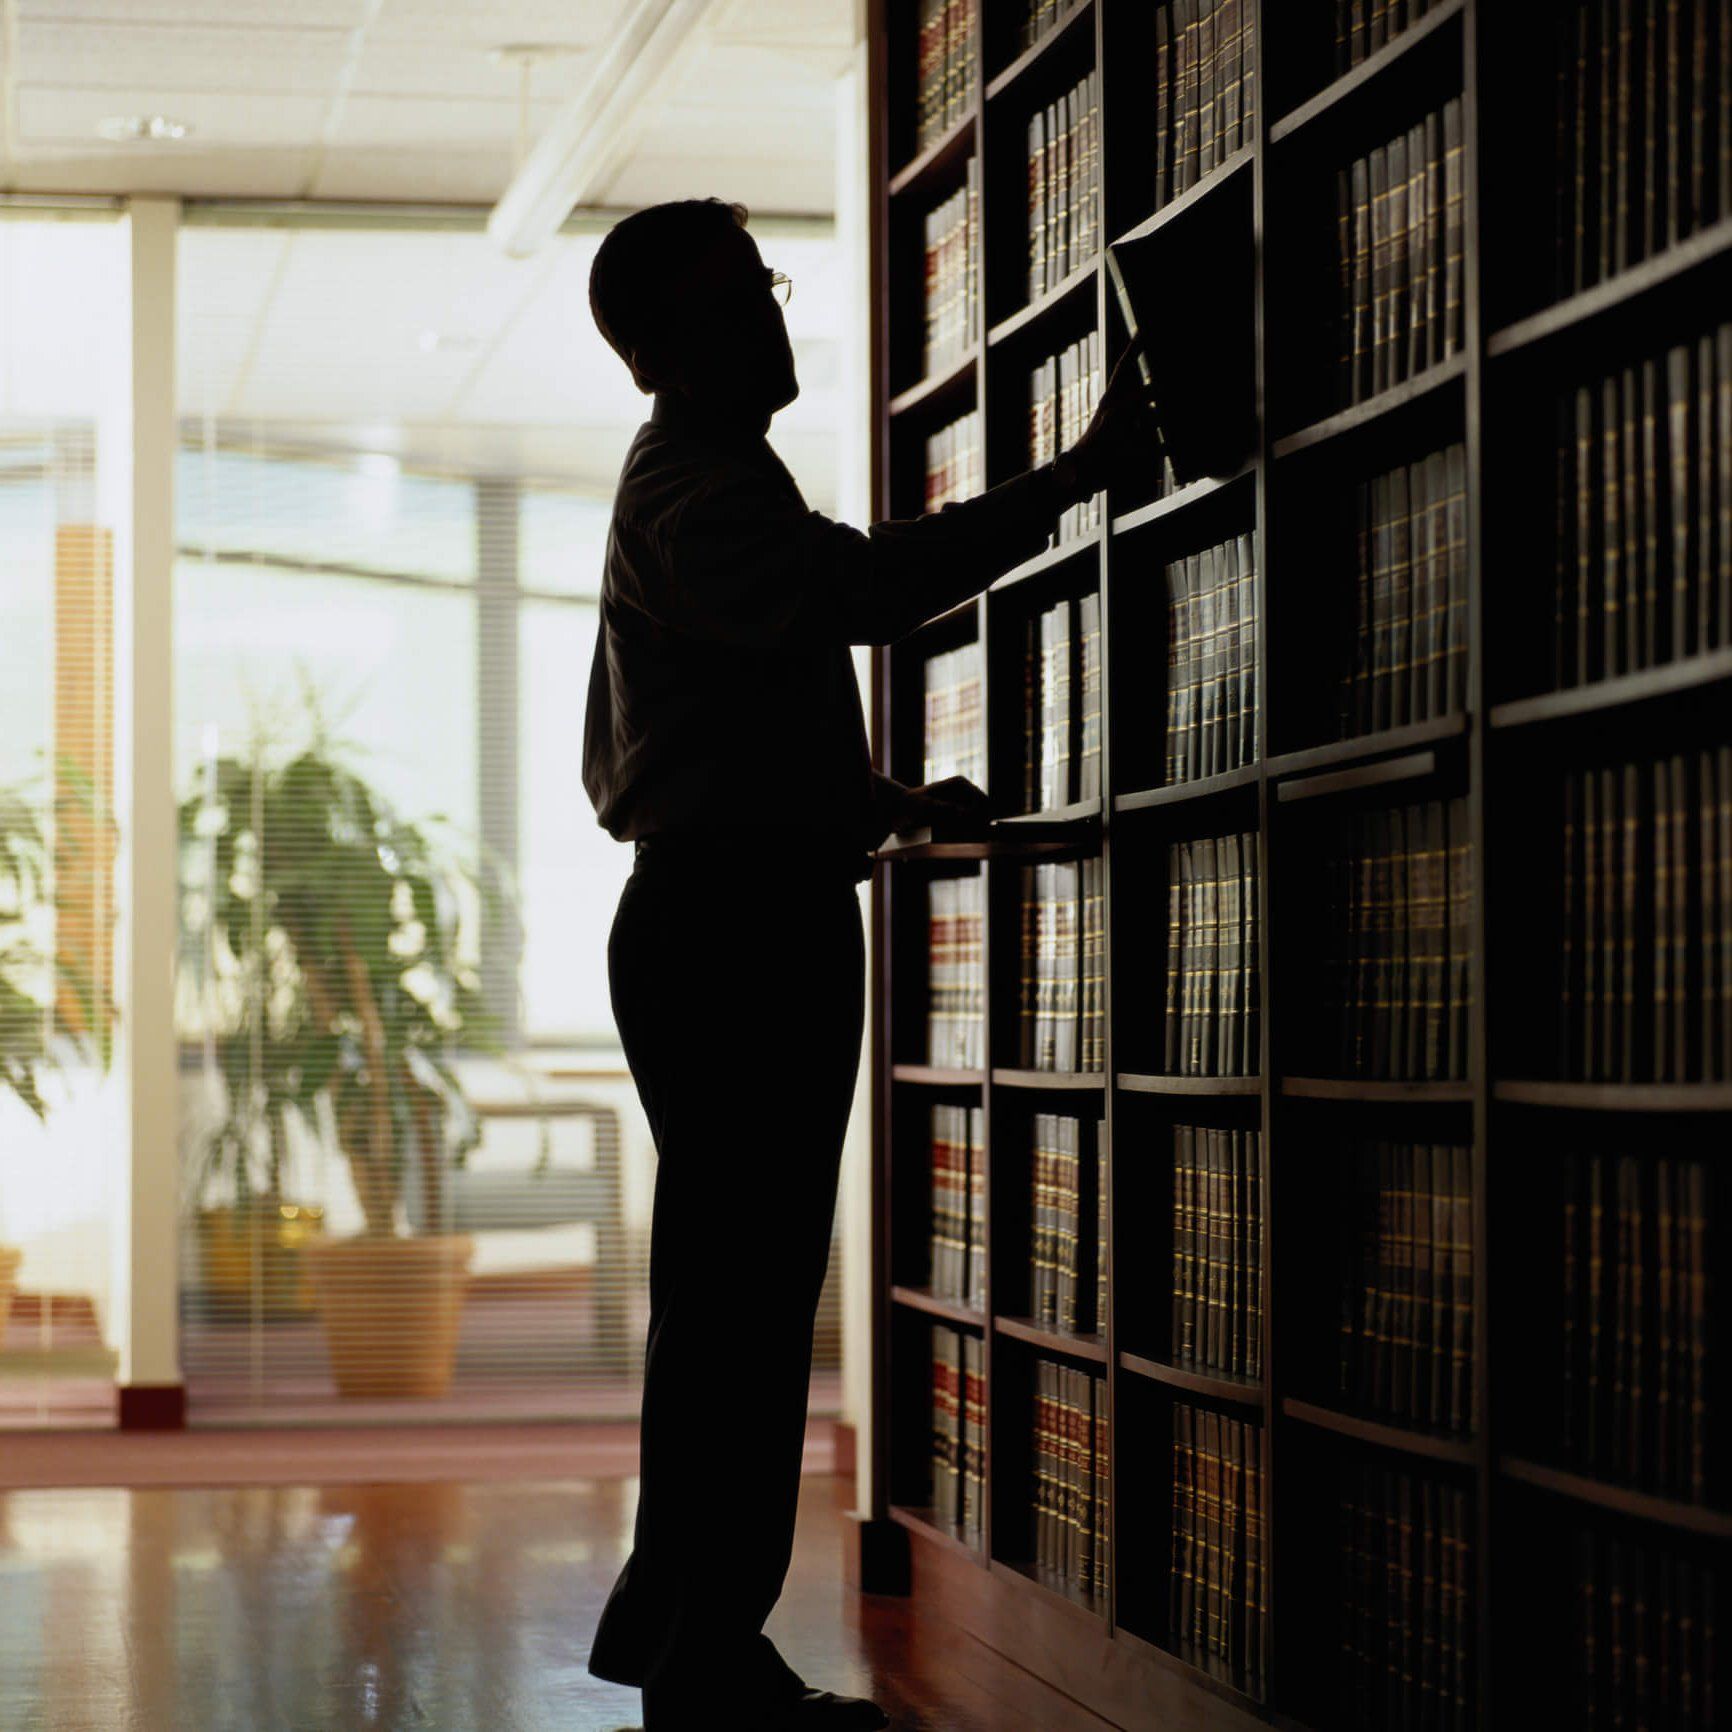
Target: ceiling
point(402, 99)
point(429, 345)
point(437, 349)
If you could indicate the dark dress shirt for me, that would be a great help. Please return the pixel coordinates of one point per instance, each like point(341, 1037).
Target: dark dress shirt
point(727, 607)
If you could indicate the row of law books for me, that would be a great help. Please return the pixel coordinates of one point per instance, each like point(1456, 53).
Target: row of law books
point(1062, 1025)
point(1213, 686)
point(1639, 1377)
point(1646, 921)
point(1644, 154)
point(1645, 1648)
point(952, 274)
point(1205, 95)
point(1211, 1011)
point(1644, 513)
point(1067, 1277)
point(1064, 185)
point(1217, 1588)
point(956, 972)
point(1406, 1602)
point(1407, 1284)
point(955, 463)
point(948, 70)
point(1396, 980)
point(1399, 228)
point(1364, 26)
point(1218, 1249)
point(1409, 598)
point(1071, 1464)
point(1038, 17)
point(1061, 713)
point(954, 741)
point(958, 1431)
point(1063, 392)
point(957, 1232)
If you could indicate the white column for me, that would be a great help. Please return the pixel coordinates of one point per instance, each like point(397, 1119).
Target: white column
point(854, 505)
point(146, 1199)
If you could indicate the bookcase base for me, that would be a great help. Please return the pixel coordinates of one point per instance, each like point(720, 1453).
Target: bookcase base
point(1122, 1680)
point(874, 1555)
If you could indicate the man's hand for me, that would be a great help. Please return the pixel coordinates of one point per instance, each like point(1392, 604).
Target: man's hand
point(955, 800)
point(1122, 441)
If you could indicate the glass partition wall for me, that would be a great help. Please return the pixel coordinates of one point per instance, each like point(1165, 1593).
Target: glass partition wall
point(397, 452)
point(63, 382)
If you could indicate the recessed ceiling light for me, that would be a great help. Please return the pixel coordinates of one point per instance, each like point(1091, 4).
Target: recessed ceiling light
point(142, 128)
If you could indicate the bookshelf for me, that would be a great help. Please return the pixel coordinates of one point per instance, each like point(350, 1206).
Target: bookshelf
point(1518, 1518)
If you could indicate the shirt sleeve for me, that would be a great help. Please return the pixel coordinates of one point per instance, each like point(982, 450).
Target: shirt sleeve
point(744, 563)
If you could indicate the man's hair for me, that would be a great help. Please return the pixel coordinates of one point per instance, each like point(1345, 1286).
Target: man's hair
point(643, 267)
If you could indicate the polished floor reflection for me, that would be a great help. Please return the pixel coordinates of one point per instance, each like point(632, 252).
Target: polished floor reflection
point(434, 1607)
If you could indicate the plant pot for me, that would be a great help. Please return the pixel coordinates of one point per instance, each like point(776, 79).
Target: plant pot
point(10, 1257)
point(391, 1309)
point(267, 1241)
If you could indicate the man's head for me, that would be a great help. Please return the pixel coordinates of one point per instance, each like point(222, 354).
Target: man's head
point(683, 298)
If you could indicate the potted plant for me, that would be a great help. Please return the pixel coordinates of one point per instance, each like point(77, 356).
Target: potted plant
point(334, 939)
point(49, 1012)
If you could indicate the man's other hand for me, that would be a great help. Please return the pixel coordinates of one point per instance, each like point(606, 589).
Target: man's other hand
point(1122, 441)
point(953, 801)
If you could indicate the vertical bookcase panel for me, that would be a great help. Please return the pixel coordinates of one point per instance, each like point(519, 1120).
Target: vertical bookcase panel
point(1531, 1519)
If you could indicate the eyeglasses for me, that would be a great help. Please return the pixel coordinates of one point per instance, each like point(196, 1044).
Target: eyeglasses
point(782, 287)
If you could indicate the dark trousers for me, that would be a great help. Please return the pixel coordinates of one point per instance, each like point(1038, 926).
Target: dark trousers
point(737, 987)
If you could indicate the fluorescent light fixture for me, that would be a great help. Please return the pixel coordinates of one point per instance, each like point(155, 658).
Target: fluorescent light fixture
point(583, 139)
point(142, 129)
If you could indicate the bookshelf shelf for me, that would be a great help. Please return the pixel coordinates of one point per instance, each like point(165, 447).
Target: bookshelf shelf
point(1026, 1330)
point(951, 1310)
point(1608, 697)
point(1063, 1081)
point(930, 1526)
point(1378, 773)
point(1175, 210)
point(1245, 283)
point(1057, 34)
point(1618, 1097)
point(1687, 1518)
point(1369, 748)
point(1576, 317)
point(1388, 63)
point(1181, 499)
point(1030, 825)
point(1433, 1446)
point(1433, 382)
point(1214, 1385)
point(1081, 548)
point(1036, 313)
point(939, 387)
point(937, 159)
point(1136, 1083)
point(1329, 1088)
point(920, 845)
point(936, 1076)
point(1185, 793)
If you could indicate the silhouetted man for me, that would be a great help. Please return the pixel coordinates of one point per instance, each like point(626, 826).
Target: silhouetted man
point(724, 737)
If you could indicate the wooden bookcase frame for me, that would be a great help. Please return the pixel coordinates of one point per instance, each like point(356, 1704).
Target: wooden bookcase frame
point(1513, 732)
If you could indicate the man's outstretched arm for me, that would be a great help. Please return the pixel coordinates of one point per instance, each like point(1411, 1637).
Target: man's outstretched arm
point(755, 573)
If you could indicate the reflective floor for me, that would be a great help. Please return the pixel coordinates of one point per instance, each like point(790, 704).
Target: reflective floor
point(433, 1607)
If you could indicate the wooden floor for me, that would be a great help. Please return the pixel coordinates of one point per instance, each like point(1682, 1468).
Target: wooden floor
point(421, 1607)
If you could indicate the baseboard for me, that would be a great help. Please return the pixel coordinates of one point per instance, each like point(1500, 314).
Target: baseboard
point(874, 1555)
point(152, 1406)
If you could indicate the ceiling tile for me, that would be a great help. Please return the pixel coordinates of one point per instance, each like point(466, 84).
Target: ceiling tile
point(128, 57)
point(248, 121)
